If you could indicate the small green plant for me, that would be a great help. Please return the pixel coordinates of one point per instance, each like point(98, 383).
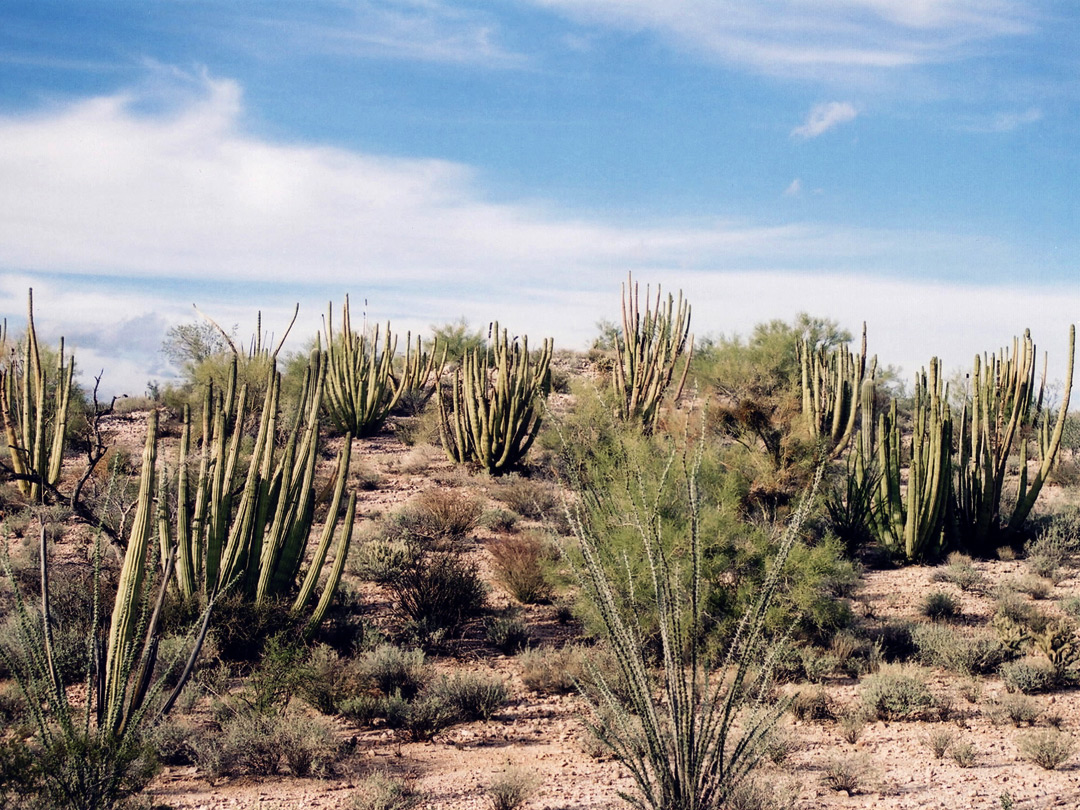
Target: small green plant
point(512, 788)
point(845, 774)
point(535, 500)
point(380, 791)
point(896, 693)
point(393, 670)
point(1029, 676)
point(852, 725)
point(473, 696)
point(939, 740)
point(963, 753)
point(438, 591)
point(961, 571)
point(553, 671)
point(507, 632)
point(1016, 709)
point(811, 704)
point(938, 605)
point(1034, 586)
point(1048, 748)
point(781, 744)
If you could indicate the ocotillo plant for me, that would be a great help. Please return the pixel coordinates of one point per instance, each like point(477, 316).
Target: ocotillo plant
point(494, 413)
point(831, 390)
point(1004, 407)
point(649, 349)
point(35, 409)
point(362, 386)
point(250, 532)
point(910, 520)
point(89, 757)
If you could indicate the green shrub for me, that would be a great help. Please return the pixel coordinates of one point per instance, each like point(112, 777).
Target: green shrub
point(507, 632)
point(811, 704)
point(1034, 586)
point(473, 696)
point(553, 671)
point(393, 670)
point(940, 605)
point(961, 571)
point(896, 693)
point(852, 724)
point(535, 500)
point(380, 560)
point(519, 563)
point(1021, 611)
point(512, 788)
point(963, 753)
point(1029, 676)
point(439, 591)
point(328, 679)
point(939, 740)
point(380, 791)
point(428, 714)
point(845, 773)
point(940, 646)
point(1014, 708)
point(1047, 748)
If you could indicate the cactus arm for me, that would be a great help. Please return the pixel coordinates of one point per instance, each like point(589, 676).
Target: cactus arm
point(334, 579)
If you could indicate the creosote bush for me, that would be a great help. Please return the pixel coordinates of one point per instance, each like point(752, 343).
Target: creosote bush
point(380, 791)
point(1046, 747)
point(512, 788)
point(519, 562)
point(896, 693)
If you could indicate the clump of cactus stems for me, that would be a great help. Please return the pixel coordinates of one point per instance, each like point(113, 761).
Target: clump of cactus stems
point(250, 530)
point(1004, 408)
point(649, 349)
point(494, 413)
point(91, 754)
point(832, 384)
point(910, 519)
point(362, 386)
point(35, 409)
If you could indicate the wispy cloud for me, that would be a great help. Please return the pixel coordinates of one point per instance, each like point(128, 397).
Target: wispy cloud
point(793, 36)
point(824, 117)
point(794, 189)
point(1003, 121)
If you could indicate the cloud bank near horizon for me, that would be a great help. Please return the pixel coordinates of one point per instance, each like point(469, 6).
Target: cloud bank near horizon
point(121, 210)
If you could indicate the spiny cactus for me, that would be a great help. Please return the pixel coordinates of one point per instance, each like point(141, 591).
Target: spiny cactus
point(649, 349)
point(831, 391)
point(910, 520)
point(35, 409)
point(362, 386)
point(1003, 409)
point(249, 532)
point(494, 416)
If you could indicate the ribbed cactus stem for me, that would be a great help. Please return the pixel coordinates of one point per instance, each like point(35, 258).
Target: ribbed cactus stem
point(129, 592)
point(649, 351)
point(831, 392)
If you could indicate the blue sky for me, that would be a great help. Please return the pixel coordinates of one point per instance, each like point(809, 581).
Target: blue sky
point(913, 163)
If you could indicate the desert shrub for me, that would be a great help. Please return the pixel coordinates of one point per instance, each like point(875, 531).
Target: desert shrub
point(1014, 708)
point(1018, 610)
point(817, 665)
point(501, 521)
point(1034, 586)
point(380, 560)
point(1071, 606)
point(764, 792)
point(781, 744)
point(512, 788)
point(961, 571)
point(553, 671)
point(473, 696)
point(242, 627)
point(896, 640)
point(896, 693)
point(855, 655)
point(852, 723)
point(1047, 748)
point(439, 591)
point(963, 753)
point(519, 564)
point(328, 679)
point(310, 746)
point(438, 517)
point(380, 791)
point(940, 646)
point(846, 773)
point(175, 741)
point(393, 670)
point(428, 714)
point(1029, 676)
point(939, 739)
point(535, 500)
point(507, 632)
point(811, 704)
point(20, 777)
point(262, 743)
point(938, 605)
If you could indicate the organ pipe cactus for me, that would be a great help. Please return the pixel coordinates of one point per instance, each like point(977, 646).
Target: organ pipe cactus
point(362, 386)
point(1004, 408)
point(35, 409)
point(910, 519)
point(649, 349)
point(493, 416)
point(248, 531)
point(96, 757)
point(832, 384)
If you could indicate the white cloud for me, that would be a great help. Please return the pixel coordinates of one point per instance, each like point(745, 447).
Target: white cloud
point(1003, 121)
point(120, 219)
point(794, 189)
point(824, 117)
point(792, 37)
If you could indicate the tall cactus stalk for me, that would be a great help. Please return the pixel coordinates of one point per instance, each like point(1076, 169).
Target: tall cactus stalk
point(248, 530)
point(35, 410)
point(832, 384)
point(494, 415)
point(909, 519)
point(1004, 408)
point(362, 386)
point(649, 349)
